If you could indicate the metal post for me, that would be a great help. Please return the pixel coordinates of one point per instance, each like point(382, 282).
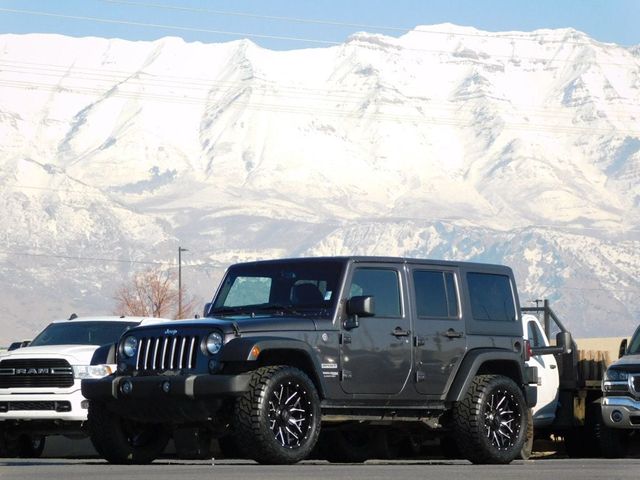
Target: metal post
point(547, 318)
point(180, 250)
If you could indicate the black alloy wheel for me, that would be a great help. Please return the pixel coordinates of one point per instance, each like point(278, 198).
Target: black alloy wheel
point(277, 421)
point(290, 413)
point(502, 419)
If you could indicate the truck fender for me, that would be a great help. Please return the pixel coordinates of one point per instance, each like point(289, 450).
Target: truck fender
point(475, 359)
point(248, 350)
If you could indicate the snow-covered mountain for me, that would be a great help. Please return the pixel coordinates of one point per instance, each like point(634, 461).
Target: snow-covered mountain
point(448, 142)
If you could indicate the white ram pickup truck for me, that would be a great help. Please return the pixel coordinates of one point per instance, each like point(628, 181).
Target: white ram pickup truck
point(40, 383)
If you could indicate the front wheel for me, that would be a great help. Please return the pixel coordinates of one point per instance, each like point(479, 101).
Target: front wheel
point(278, 420)
point(490, 422)
point(123, 441)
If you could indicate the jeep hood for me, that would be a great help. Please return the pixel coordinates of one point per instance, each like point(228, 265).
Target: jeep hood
point(245, 324)
point(74, 354)
point(627, 361)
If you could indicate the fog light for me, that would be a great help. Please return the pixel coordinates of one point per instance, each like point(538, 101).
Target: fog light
point(617, 416)
point(126, 387)
point(84, 404)
point(214, 366)
point(166, 386)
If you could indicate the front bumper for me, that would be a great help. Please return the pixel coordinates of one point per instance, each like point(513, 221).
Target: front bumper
point(67, 407)
point(159, 387)
point(621, 412)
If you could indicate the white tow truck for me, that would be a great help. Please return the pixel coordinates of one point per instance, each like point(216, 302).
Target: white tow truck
point(40, 380)
point(569, 401)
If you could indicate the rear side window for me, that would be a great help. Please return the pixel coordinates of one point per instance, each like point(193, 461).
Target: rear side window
point(436, 294)
point(491, 297)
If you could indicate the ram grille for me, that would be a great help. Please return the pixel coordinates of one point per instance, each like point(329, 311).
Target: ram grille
point(36, 373)
point(167, 353)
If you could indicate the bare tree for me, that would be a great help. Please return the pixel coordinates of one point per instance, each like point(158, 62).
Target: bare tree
point(153, 293)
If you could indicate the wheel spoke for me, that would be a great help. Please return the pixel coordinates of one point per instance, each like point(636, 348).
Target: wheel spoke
point(289, 413)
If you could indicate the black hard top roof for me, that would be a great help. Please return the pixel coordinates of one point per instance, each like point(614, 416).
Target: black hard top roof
point(375, 259)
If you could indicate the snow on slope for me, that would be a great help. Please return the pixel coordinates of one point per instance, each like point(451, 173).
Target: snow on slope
point(449, 142)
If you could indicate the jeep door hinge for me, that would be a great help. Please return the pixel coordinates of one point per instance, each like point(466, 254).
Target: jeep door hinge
point(345, 375)
point(418, 341)
point(420, 376)
point(345, 338)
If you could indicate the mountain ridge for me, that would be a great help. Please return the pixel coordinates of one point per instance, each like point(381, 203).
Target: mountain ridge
point(451, 144)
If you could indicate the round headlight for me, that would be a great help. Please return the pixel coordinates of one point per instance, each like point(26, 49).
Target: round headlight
point(129, 347)
point(214, 343)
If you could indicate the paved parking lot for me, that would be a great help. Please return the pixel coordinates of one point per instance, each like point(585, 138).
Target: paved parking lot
point(543, 469)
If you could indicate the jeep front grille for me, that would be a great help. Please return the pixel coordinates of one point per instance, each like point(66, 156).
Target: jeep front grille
point(36, 373)
point(167, 353)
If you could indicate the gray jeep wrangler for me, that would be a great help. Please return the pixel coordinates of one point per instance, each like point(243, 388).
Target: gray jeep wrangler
point(379, 353)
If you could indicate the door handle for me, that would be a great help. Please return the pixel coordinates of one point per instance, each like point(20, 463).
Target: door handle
point(451, 333)
point(399, 332)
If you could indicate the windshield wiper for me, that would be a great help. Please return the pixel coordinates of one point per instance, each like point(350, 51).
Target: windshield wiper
point(222, 311)
point(277, 307)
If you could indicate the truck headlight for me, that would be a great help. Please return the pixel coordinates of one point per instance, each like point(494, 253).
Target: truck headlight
point(615, 375)
point(129, 347)
point(91, 371)
point(214, 343)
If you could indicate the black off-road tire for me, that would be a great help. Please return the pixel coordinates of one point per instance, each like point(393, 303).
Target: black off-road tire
point(278, 420)
point(122, 441)
point(490, 422)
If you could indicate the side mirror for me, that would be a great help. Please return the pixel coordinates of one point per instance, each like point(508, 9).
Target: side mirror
point(359, 306)
point(623, 348)
point(564, 340)
point(205, 310)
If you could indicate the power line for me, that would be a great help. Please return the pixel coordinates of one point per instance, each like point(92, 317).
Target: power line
point(272, 37)
point(166, 27)
point(524, 37)
point(108, 260)
point(93, 259)
point(326, 112)
point(205, 86)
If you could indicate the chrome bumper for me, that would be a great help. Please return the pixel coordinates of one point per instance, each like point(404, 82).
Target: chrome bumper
point(621, 412)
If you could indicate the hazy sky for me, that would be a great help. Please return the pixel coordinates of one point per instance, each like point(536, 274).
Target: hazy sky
point(309, 23)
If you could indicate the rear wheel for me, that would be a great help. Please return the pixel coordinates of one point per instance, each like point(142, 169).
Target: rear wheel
point(490, 422)
point(124, 441)
point(278, 420)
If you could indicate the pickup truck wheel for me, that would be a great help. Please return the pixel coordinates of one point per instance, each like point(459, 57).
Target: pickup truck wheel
point(527, 447)
point(123, 441)
point(278, 420)
point(612, 442)
point(490, 422)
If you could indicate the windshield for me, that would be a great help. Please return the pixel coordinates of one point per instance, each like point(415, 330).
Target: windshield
point(81, 333)
point(634, 346)
point(296, 287)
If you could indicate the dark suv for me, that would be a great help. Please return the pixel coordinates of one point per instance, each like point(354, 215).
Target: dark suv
point(379, 352)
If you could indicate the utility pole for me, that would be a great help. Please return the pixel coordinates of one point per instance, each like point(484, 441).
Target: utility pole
point(180, 250)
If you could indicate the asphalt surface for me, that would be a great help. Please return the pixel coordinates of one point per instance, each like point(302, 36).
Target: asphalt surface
point(543, 469)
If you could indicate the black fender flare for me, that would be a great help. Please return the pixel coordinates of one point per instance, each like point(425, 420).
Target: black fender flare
point(249, 349)
point(474, 360)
